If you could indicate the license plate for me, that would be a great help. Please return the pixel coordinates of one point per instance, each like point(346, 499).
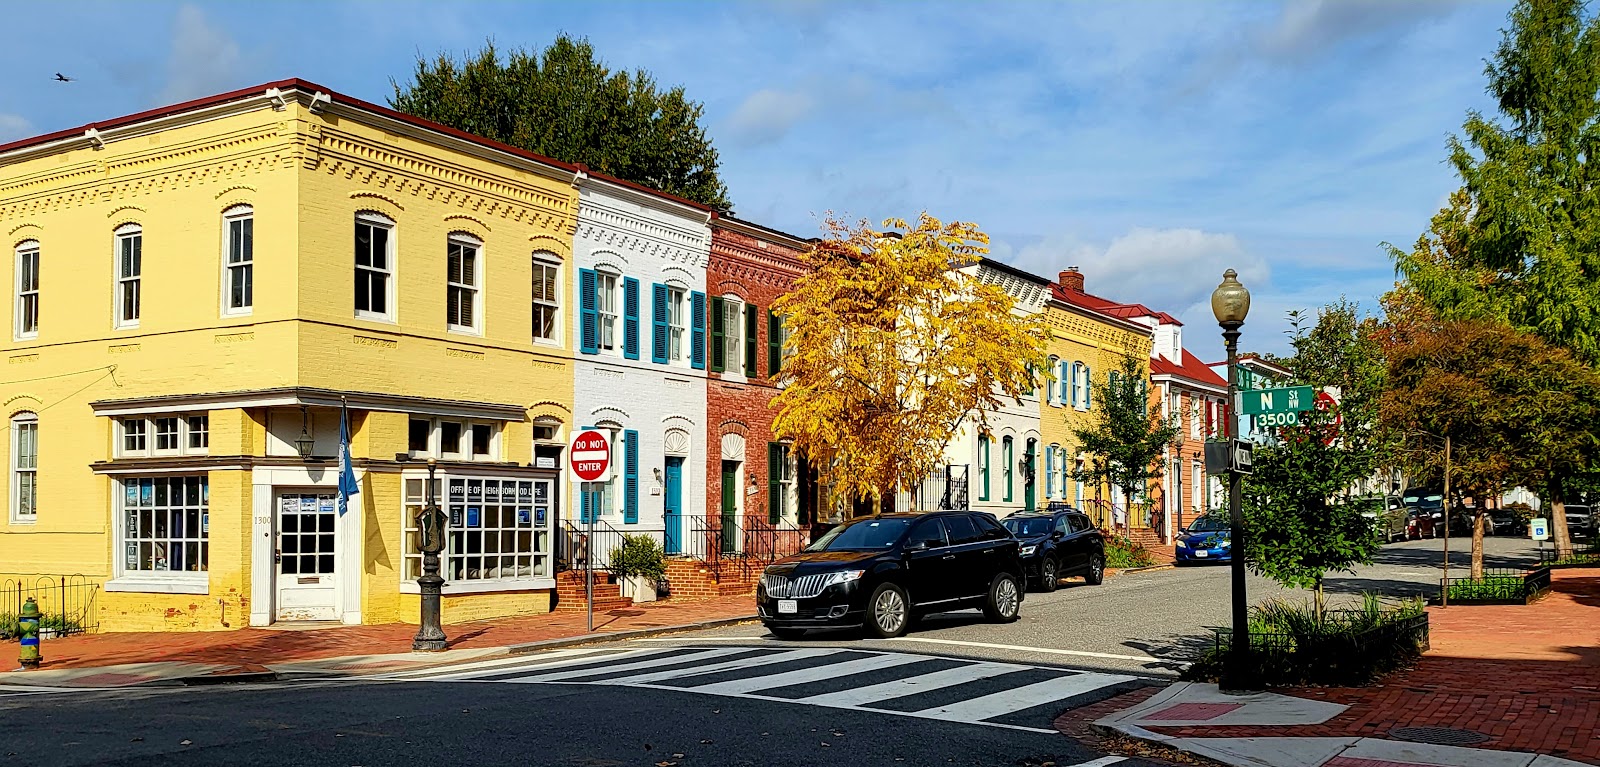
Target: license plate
point(1202, 553)
point(788, 606)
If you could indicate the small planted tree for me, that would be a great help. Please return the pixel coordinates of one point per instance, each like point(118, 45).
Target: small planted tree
point(1128, 436)
point(891, 347)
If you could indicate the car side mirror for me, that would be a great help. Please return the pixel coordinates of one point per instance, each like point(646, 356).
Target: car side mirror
point(917, 546)
point(1058, 535)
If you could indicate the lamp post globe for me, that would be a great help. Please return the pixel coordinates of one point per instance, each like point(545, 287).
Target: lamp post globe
point(1230, 302)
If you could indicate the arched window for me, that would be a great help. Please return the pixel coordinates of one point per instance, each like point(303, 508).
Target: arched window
point(27, 319)
point(24, 467)
point(983, 467)
point(1052, 374)
point(238, 259)
point(130, 267)
point(546, 296)
point(1050, 471)
point(463, 283)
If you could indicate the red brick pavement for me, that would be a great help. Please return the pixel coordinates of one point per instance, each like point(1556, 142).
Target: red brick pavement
point(255, 646)
point(1527, 676)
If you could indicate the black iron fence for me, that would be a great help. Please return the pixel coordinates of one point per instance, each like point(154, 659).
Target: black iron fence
point(577, 542)
point(67, 604)
point(1498, 586)
point(741, 547)
point(1583, 552)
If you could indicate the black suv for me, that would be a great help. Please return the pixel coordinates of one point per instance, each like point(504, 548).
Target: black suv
point(1057, 544)
point(884, 572)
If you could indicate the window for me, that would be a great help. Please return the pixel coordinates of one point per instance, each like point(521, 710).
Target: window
point(1069, 384)
point(24, 467)
point(1049, 378)
point(1006, 456)
point(482, 440)
point(452, 440)
point(546, 299)
point(1194, 418)
point(164, 434)
point(961, 529)
point(27, 322)
point(1050, 471)
point(1197, 481)
point(238, 260)
point(544, 432)
point(780, 482)
point(929, 533)
point(461, 274)
point(677, 324)
point(1081, 386)
point(418, 434)
point(983, 467)
point(374, 267)
point(199, 432)
point(606, 306)
point(732, 321)
point(165, 524)
point(130, 255)
point(498, 529)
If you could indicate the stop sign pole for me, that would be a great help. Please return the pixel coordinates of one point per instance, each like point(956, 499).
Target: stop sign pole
point(589, 459)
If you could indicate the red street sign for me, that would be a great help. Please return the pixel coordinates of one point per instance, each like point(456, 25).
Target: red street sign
point(590, 455)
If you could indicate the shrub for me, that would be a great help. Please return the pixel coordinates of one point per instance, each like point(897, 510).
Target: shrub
point(1508, 587)
point(1123, 553)
point(62, 625)
point(1291, 644)
point(639, 555)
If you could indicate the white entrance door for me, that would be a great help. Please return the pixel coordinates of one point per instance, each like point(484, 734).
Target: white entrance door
point(307, 567)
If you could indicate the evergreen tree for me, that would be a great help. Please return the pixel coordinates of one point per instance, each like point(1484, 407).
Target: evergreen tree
point(1128, 438)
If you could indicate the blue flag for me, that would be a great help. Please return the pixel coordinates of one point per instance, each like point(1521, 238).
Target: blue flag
point(347, 476)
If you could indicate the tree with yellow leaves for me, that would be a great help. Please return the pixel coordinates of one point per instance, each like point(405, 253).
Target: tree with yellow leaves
point(893, 342)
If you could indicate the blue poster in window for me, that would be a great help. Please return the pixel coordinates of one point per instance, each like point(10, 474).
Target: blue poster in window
point(472, 516)
point(539, 515)
point(205, 523)
point(523, 516)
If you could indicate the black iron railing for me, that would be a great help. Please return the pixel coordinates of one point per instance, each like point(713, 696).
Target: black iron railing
point(67, 604)
point(1498, 585)
point(576, 542)
point(732, 547)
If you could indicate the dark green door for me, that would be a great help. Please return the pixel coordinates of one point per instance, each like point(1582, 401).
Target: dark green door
point(730, 511)
point(1030, 475)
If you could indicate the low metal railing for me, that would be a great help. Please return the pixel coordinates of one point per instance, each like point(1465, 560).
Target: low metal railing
point(733, 547)
point(577, 541)
point(67, 604)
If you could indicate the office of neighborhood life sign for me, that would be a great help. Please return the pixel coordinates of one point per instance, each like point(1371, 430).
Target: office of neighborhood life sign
point(589, 456)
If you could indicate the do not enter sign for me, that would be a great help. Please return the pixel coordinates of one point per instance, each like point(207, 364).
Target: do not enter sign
point(590, 455)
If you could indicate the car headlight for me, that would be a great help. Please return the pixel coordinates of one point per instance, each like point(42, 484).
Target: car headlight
point(1027, 551)
point(843, 576)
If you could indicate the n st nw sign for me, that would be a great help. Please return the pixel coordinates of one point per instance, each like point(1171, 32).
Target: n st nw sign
point(589, 456)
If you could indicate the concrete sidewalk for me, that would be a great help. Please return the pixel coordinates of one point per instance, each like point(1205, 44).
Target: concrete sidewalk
point(129, 659)
point(1512, 686)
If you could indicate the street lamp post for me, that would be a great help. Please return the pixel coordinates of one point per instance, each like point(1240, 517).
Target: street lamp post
point(1230, 302)
point(430, 541)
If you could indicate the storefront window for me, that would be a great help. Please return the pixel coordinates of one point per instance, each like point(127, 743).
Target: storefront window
point(499, 529)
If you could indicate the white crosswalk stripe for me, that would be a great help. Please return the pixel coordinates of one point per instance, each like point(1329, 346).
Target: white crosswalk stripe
point(1009, 695)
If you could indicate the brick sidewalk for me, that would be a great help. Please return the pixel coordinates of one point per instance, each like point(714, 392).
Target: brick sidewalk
point(255, 646)
point(1527, 676)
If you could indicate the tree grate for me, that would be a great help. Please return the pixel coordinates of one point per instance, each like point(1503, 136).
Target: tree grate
point(1439, 736)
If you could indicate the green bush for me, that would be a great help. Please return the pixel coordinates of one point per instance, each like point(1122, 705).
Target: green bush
point(639, 555)
point(1123, 553)
point(1291, 644)
point(1508, 587)
point(1575, 559)
point(58, 623)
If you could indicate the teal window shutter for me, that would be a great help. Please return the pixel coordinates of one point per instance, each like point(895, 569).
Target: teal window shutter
point(719, 353)
point(1088, 387)
point(658, 324)
point(697, 335)
point(1069, 394)
point(630, 318)
point(630, 477)
point(588, 315)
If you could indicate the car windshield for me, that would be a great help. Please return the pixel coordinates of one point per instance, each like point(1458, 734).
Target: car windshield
point(1209, 525)
point(866, 535)
point(1028, 527)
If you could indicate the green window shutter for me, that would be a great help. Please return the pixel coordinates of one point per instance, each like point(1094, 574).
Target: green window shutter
point(752, 321)
point(774, 482)
point(1006, 454)
point(719, 353)
point(774, 343)
point(983, 469)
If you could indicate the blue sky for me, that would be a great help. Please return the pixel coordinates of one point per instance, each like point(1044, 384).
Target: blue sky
point(1152, 144)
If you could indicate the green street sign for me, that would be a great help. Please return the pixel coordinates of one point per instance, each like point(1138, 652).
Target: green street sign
point(1290, 399)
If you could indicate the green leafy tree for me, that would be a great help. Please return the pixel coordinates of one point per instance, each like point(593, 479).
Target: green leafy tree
point(1128, 436)
point(1299, 521)
point(1521, 242)
point(564, 103)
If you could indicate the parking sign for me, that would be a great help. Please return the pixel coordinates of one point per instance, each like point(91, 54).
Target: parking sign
point(1539, 529)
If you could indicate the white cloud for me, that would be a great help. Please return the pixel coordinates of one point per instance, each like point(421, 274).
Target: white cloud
point(1164, 269)
point(204, 59)
point(767, 115)
point(14, 127)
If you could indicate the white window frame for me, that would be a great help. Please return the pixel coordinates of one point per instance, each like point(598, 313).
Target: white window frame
point(552, 304)
point(1051, 382)
point(1197, 484)
point(677, 325)
point(21, 424)
point(435, 447)
point(461, 287)
point(733, 335)
point(242, 216)
point(1081, 394)
point(123, 280)
point(146, 424)
point(608, 321)
point(390, 273)
point(176, 435)
point(1195, 423)
point(27, 296)
point(162, 581)
point(541, 565)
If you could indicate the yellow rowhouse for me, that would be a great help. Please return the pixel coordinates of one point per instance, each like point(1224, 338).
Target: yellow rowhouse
point(198, 292)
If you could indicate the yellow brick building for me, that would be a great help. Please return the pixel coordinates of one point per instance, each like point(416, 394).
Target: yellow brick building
point(198, 290)
point(1087, 342)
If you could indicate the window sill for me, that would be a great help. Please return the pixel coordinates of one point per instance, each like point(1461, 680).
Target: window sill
point(24, 521)
point(485, 587)
point(464, 331)
point(237, 314)
point(28, 337)
point(388, 319)
point(154, 584)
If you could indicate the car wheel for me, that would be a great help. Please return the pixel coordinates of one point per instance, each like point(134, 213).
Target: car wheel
point(1048, 577)
point(789, 634)
point(888, 612)
point(1097, 569)
point(1004, 604)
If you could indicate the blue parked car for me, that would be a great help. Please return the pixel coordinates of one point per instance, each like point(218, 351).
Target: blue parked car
point(1207, 539)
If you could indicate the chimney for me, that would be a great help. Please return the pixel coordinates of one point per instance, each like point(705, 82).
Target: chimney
point(1071, 279)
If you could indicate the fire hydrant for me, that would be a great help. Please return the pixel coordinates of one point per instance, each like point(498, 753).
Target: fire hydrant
point(28, 628)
